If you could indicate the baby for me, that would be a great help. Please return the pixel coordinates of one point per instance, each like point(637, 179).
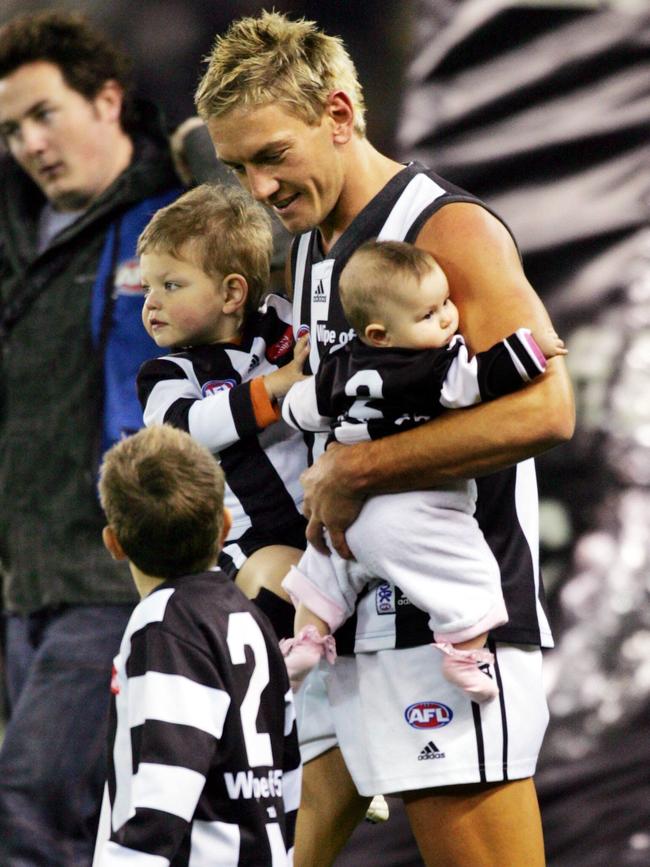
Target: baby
point(407, 365)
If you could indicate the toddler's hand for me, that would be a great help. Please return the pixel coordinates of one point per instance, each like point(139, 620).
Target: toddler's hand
point(280, 381)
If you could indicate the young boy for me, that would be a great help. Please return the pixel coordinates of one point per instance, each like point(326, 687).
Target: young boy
point(204, 264)
point(407, 365)
point(203, 754)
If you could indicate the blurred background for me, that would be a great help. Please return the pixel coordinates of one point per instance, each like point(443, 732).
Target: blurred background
point(542, 108)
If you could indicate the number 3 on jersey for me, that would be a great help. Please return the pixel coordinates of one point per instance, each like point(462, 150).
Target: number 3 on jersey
point(244, 632)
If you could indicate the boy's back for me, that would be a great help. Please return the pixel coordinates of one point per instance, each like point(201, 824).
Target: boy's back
point(201, 771)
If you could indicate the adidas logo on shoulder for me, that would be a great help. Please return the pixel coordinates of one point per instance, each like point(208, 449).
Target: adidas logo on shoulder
point(431, 751)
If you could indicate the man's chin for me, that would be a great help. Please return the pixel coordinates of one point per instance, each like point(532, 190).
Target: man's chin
point(295, 225)
point(68, 200)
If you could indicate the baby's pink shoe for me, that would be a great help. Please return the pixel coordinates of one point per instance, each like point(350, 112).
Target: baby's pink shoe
point(304, 651)
point(464, 668)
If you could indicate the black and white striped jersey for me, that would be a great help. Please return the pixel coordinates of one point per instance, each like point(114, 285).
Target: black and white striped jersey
point(361, 392)
point(203, 767)
point(506, 509)
point(207, 391)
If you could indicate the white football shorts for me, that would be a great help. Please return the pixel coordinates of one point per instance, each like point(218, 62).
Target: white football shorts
point(401, 726)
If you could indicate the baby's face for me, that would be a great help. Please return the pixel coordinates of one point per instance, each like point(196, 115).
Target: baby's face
point(183, 305)
point(424, 317)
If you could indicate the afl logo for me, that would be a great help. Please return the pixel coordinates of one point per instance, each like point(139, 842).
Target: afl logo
point(428, 715)
point(302, 330)
point(216, 385)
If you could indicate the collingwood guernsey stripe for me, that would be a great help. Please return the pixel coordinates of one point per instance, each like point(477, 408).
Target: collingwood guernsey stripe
point(507, 501)
point(205, 767)
point(205, 390)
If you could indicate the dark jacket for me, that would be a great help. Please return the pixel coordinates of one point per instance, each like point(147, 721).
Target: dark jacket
point(58, 399)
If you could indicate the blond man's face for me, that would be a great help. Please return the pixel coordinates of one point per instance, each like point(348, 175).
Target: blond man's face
point(292, 167)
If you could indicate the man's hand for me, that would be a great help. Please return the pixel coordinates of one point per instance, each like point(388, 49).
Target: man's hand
point(328, 504)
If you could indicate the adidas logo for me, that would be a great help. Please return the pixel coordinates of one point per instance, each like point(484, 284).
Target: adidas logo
point(319, 292)
point(430, 752)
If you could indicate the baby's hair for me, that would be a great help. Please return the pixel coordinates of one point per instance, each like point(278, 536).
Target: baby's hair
point(375, 273)
point(272, 59)
point(224, 231)
point(162, 493)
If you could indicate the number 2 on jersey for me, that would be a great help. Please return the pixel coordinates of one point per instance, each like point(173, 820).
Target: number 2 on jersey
point(244, 632)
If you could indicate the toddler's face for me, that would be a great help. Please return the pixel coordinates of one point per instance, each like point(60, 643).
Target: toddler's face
point(183, 305)
point(424, 317)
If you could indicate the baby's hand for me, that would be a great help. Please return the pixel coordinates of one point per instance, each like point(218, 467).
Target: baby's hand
point(280, 381)
point(550, 344)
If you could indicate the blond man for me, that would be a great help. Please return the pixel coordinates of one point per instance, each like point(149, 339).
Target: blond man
point(285, 112)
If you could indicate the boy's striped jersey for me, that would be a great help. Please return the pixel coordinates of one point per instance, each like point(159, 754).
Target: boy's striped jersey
point(210, 392)
point(204, 767)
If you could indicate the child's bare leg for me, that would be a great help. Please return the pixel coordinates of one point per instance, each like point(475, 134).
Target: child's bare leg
point(305, 617)
point(265, 569)
point(472, 643)
point(260, 579)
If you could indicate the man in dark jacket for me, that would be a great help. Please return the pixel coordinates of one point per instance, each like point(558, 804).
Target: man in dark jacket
point(86, 168)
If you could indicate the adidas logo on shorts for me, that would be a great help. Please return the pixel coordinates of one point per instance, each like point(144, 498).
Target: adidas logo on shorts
point(430, 752)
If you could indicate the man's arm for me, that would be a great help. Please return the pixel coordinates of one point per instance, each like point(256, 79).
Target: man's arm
point(494, 298)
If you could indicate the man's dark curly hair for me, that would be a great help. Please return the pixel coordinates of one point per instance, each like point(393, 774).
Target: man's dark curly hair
point(85, 57)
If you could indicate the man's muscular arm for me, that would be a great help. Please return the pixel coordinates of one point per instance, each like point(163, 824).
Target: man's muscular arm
point(494, 298)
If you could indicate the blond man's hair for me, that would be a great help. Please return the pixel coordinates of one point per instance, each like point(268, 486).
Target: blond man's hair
point(272, 59)
point(162, 493)
point(376, 273)
point(224, 231)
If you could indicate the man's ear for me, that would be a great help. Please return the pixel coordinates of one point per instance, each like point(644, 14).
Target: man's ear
point(235, 291)
point(340, 111)
point(109, 99)
point(227, 524)
point(112, 545)
point(376, 335)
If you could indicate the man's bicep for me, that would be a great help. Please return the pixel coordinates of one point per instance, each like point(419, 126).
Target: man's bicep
point(486, 279)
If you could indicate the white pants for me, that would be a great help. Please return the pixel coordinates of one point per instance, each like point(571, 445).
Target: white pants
point(428, 544)
point(401, 726)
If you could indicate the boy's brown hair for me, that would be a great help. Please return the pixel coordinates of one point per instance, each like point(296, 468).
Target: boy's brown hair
point(271, 59)
point(375, 273)
point(86, 58)
point(223, 229)
point(162, 493)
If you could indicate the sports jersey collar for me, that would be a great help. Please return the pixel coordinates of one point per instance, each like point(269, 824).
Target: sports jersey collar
point(368, 221)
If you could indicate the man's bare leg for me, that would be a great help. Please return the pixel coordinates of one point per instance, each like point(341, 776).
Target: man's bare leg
point(482, 825)
point(330, 810)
